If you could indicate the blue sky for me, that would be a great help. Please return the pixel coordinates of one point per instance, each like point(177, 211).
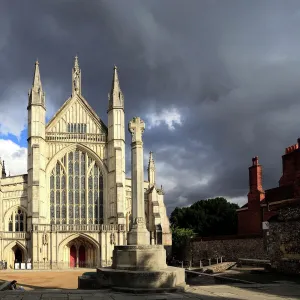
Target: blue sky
point(21, 141)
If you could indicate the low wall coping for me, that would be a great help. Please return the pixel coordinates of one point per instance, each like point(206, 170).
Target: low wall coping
point(227, 237)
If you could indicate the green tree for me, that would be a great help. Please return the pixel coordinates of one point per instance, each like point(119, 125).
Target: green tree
point(180, 241)
point(209, 217)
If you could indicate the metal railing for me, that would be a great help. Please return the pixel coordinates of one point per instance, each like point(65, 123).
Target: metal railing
point(197, 264)
point(76, 137)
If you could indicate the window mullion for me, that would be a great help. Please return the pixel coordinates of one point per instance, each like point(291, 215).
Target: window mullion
point(66, 189)
point(86, 188)
point(79, 186)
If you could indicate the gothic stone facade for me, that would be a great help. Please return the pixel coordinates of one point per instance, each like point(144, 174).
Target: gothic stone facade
point(74, 204)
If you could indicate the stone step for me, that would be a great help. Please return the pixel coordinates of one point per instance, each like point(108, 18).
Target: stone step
point(87, 283)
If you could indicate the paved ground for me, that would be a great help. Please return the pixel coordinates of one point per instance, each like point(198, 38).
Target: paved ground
point(38, 283)
point(32, 280)
point(210, 292)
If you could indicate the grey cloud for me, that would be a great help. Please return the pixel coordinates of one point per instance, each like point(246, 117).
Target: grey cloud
point(230, 67)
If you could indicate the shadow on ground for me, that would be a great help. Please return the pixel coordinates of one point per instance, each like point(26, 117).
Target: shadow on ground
point(270, 283)
point(34, 287)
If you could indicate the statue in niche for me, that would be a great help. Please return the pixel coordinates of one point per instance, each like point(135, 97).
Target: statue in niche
point(76, 81)
point(45, 239)
point(112, 239)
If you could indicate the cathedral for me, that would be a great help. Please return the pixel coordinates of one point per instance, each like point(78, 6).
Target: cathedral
point(74, 203)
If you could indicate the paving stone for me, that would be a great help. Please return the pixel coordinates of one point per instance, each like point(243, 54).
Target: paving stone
point(57, 295)
point(100, 297)
point(31, 297)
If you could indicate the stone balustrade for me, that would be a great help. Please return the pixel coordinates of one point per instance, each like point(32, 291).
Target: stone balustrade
point(88, 227)
point(61, 228)
point(12, 235)
point(75, 137)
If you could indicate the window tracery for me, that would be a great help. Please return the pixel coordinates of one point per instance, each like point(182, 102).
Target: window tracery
point(17, 220)
point(76, 197)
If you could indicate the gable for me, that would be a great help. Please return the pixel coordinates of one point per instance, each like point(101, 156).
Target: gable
point(75, 112)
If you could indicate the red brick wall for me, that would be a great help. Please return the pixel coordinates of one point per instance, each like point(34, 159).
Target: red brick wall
point(249, 222)
point(288, 169)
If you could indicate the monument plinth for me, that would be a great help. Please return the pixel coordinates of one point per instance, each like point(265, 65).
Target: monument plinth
point(139, 265)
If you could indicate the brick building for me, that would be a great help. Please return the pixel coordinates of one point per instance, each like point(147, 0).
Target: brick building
point(262, 205)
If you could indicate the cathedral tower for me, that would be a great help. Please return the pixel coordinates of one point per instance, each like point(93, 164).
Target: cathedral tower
point(36, 162)
point(116, 152)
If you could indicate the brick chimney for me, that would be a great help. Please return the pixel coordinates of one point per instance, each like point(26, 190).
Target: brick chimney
point(256, 192)
point(290, 165)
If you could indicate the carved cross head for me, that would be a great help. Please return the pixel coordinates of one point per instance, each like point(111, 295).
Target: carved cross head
point(136, 127)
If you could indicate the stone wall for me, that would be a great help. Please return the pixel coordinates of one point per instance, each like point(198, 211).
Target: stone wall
point(284, 240)
point(230, 247)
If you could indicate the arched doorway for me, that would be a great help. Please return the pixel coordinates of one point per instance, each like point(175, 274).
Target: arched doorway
point(73, 256)
point(18, 255)
point(79, 253)
point(14, 252)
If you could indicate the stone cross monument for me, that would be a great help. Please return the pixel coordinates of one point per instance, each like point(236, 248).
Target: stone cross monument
point(139, 265)
point(138, 234)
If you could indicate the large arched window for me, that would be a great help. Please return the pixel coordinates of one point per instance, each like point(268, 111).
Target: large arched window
point(76, 190)
point(17, 220)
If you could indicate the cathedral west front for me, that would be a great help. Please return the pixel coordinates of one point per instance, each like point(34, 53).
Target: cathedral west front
point(74, 203)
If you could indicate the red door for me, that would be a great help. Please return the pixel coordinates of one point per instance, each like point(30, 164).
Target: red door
point(81, 256)
point(73, 257)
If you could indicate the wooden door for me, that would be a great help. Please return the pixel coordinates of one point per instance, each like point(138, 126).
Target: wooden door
point(82, 256)
point(72, 257)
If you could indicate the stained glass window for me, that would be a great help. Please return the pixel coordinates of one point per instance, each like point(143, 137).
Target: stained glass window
point(90, 197)
point(71, 198)
point(90, 211)
point(71, 212)
point(83, 211)
point(70, 201)
point(63, 212)
point(90, 183)
point(76, 197)
point(77, 168)
point(76, 183)
point(63, 182)
point(51, 182)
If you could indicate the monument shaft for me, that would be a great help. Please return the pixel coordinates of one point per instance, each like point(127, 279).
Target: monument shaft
point(138, 234)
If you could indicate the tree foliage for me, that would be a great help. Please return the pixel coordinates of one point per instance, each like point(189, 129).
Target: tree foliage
point(181, 238)
point(209, 217)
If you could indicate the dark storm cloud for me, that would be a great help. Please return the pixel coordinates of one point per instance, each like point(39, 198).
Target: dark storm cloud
point(230, 68)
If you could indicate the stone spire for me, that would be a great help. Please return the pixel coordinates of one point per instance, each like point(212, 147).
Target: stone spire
point(37, 84)
point(115, 98)
point(36, 94)
point(151, 170)
point(3, 170)
point(76, 78)
point(138, 234)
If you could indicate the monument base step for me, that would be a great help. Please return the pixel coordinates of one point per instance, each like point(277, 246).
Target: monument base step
point(168, 278)
point(150, 290)
point(87, 281)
